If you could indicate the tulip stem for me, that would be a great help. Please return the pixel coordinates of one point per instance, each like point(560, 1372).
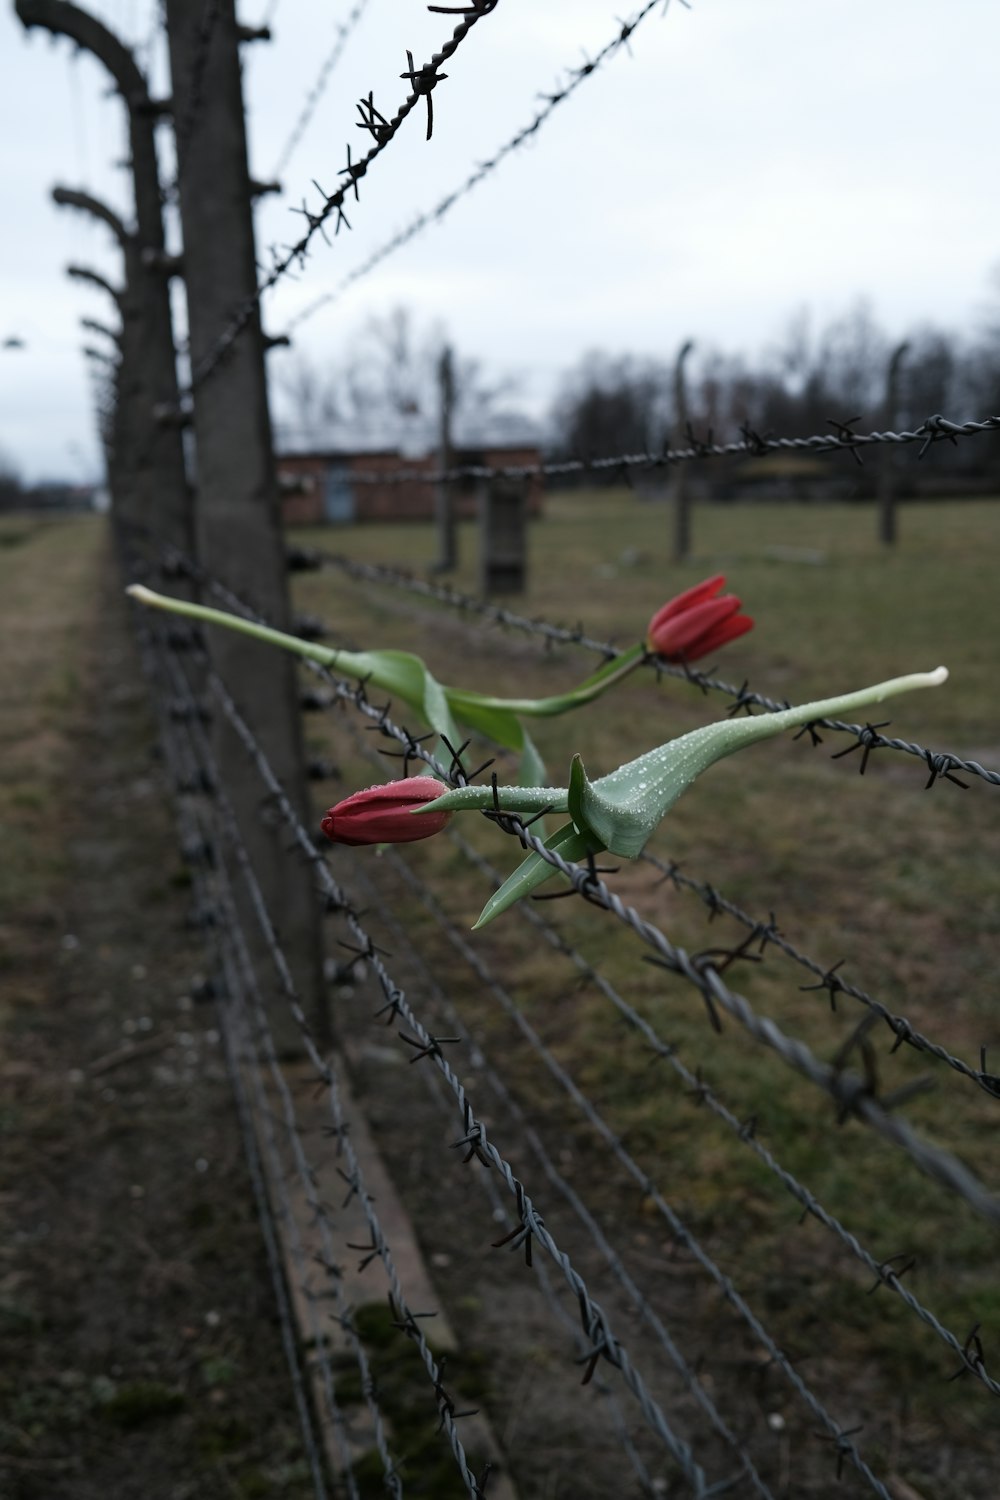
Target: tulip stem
point(325, 655)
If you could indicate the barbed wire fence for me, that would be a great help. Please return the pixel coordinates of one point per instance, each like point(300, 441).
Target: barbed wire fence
point(665, 1397)
point(849, 1091)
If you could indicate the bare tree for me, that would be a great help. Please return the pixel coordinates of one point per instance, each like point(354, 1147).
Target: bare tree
point(610, 404)
point(386, 390)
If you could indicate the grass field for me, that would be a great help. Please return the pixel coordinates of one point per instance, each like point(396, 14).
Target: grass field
point(899, 883)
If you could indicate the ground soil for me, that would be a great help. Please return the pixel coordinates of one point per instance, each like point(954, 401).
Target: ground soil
point(139, 1349)
point(140, 1354)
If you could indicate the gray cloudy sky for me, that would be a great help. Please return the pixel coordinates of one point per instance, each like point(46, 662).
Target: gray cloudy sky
point(749, 158)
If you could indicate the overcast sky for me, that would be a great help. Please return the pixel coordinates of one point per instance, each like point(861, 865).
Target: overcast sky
point(749, 158)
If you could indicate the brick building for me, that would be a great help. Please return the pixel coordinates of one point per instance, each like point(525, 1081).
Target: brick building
point(326, 487)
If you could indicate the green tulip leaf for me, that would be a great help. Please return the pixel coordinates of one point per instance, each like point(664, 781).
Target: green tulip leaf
point(534, 871)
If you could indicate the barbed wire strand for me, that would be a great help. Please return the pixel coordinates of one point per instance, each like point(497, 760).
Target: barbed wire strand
point(843, 439)
point(939, 763)
point(220, 896)
point(604, 1343)
point(305, 559)
point(318, 89)
point(230, 828)
point(644, 1310)
point(851, 1094)
point(303, 831)
point(695, 1084)
point(502, 1215)
point(831, 978)
point(699, 1090)
point(192, 835)
point(422, 221)
point(382, 131)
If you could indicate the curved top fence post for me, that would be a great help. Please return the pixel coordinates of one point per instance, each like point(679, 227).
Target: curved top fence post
point(156, 491)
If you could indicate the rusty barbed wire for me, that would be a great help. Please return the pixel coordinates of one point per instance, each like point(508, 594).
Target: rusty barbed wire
point(382, 130)
point(576, 76)
point(318, 89)
point(940, 764)
point(843, 439)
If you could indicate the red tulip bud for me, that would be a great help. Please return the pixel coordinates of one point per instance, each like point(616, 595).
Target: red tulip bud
point(694, 623)
point(384, 814)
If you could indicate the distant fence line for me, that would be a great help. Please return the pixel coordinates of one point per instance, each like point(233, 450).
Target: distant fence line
point(264, 887)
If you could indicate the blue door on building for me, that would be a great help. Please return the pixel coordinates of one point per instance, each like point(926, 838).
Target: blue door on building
point(338, 499)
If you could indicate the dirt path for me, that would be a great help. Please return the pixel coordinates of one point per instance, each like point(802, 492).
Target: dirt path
point(139, 1354)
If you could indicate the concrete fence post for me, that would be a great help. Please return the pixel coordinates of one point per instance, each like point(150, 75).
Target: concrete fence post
point(888, 458)
point(238, 519)
point(680, 489)
point(160, 497)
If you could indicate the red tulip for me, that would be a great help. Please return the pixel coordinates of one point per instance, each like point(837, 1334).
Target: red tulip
point(384, 814)
point(694, 623)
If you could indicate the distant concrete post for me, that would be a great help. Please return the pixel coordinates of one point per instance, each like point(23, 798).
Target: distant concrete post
point(119, 295)
point(161, 497)
point(130, 423)
point(888, 459)
point(680, 489)
point(238, 517)
point(503, 533)
point(444, 501)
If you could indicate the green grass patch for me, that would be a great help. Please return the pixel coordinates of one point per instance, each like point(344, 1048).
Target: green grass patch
point(899, 883)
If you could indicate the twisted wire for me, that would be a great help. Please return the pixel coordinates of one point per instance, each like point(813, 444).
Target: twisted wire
point(699, 1090)
point(383, 131)
point(192, 834)
point(939, 763)
point(850, 1093)
point(434, 215)
point(934, 429)
point(604, 1343)
point(901, 1028)
point(645, 1312)
point(702, 1092)
point(315, 94)
point(500, 1209)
